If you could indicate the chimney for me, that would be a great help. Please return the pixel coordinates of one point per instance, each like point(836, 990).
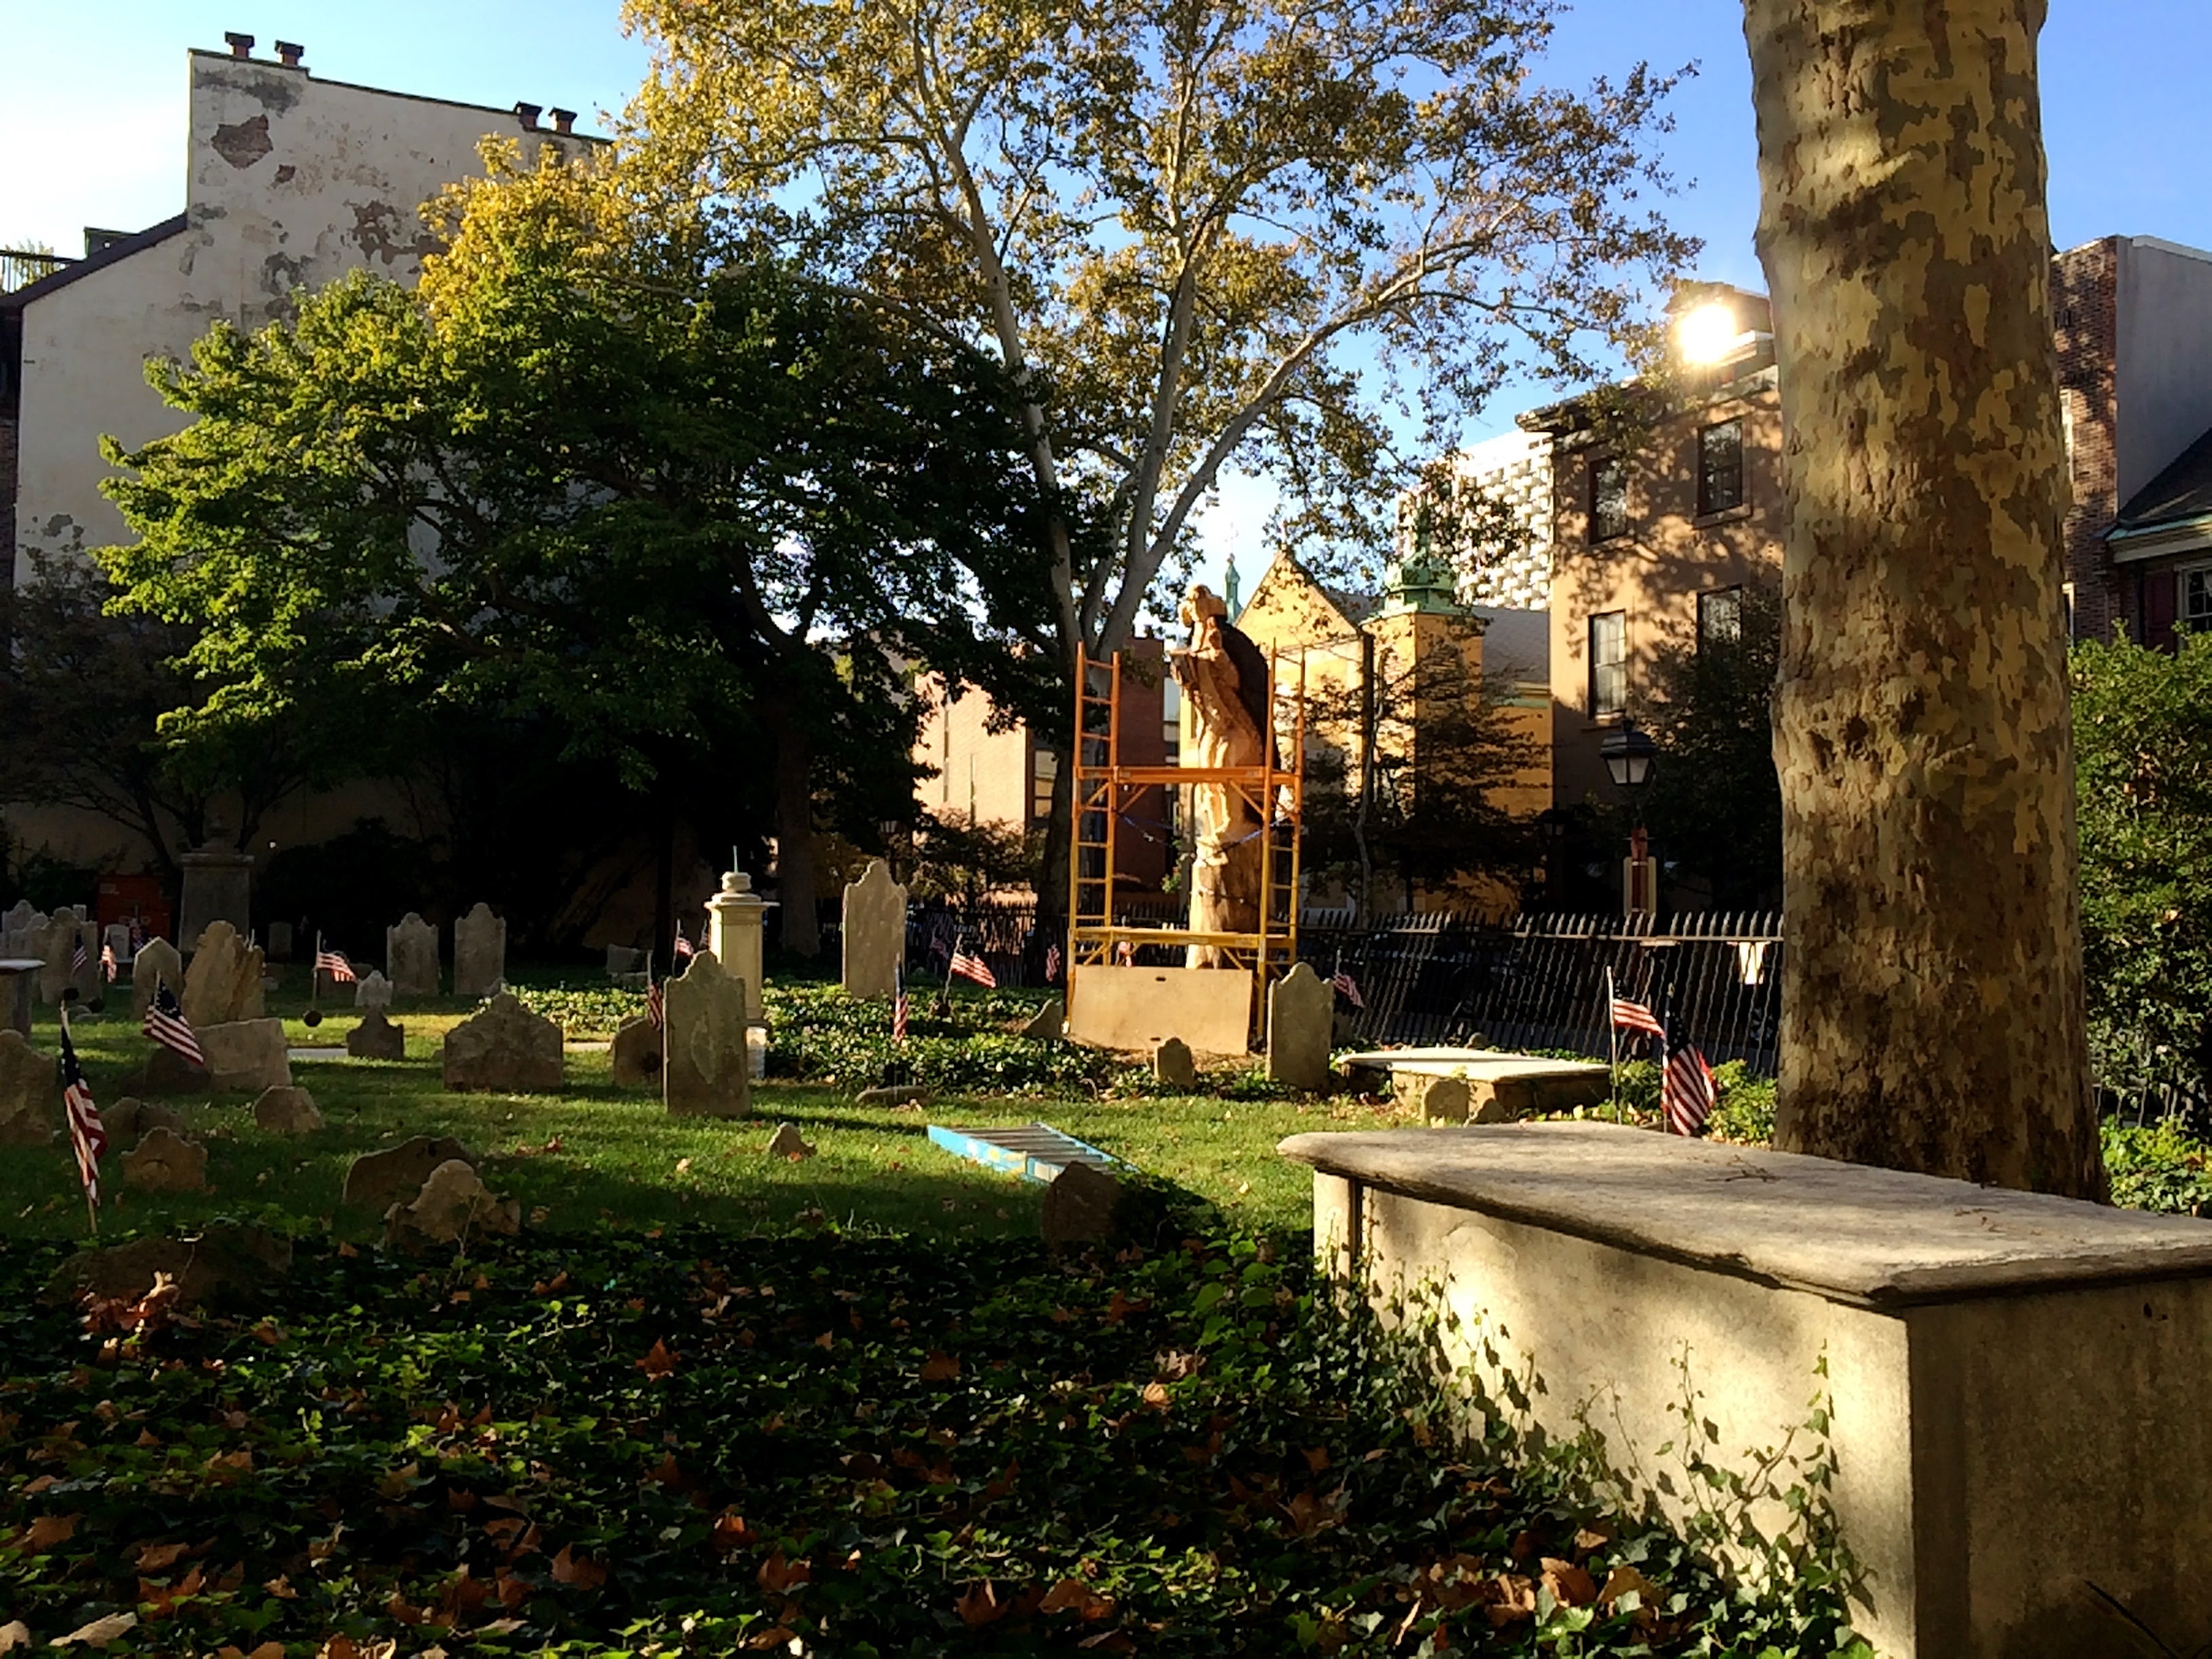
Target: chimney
point(563, 119)
point(242, 45)
point(288, 53)
point(527, 114)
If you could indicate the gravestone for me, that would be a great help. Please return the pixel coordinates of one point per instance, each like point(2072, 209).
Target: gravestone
point(734, 915)
point(1172, 1064)
point(287, 1109)
point(621, 960)
point(707, 1068)
point(157, 961)
point(377, 1038)
point(57, 943)
point(130, 1118)
point(371, 990)
point(223, 984)
point(479, 953)
point(634, 1057)
point(30, 1093)
point(245, 1055)
point(280, 941)
point(452, 1204)
point(875, 932)
point(1045, 1024)
point(410, 957)
point(504, 1049)
point(218, 887)
point(163, 1161)
point(116, 939)
point(168, 1073)
point(1084, 1205)
point(227, 1264)
point(1438, 1099)
point(787, 1143)
point(376, 1176)
point(22, 919)
point(1301, 1010)
point(86, 978)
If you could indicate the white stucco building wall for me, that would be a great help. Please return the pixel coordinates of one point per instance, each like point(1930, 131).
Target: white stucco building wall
point(290, 180)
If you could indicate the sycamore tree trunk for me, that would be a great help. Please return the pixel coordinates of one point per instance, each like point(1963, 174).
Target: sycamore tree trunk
point(1932, 1000)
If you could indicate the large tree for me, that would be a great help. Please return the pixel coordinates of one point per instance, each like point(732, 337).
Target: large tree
point(1198, 237)
point(1932, 1004)
point(697, 510)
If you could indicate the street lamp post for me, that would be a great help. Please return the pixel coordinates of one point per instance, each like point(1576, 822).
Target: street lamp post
point(1628, 752)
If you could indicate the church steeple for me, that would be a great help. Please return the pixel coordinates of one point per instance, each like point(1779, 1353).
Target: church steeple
point(1418, 583)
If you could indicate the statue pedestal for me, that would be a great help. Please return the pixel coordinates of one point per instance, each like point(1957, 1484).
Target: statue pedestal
point(218, 887)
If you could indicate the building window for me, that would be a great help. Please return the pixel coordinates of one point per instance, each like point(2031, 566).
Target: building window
point(1044, 769)
point(2194, 611)
point(1720, 467)
point(1608, 659)
point(1720, 616)
point(1609, 503)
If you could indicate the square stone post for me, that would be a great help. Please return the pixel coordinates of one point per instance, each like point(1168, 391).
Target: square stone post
point(734, 918)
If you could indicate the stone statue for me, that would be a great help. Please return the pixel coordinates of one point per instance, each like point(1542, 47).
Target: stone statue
point(1224, 679)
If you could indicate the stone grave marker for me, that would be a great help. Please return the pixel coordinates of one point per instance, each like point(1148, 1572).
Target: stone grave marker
point(452, 1203)
point(503, 1049)
point(479, 953)
point(789, 1143)
point(22, 919)
point(635, 1055)
point(226, 1264)
point(157, 961)
point(1172, 1064)
point(129, 1118)
point(279, 948)
point(1045, 1024)
point(371, 990)
point(57, 943)
point(875, 932)
point(116, 938)
point(377, 1038)
point(410, 957)
point(287, 1110)
point(375, 1177)
point(222, 985)
point(1301, 1014)
point(707, 1070)
point(163, 1161)
point(245, 1055)
point(218, 887)
point(30, 1092)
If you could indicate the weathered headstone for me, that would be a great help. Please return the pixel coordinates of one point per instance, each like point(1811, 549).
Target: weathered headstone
point(23, 918)
point(115, 939)
point(30, 1093)
point(479, 953)
point(376, 1176)
point(504, 1049)
point(371, 990)
point(410, 957)
point(377, 1038)
point(1172, 1064)
point(165, 1161)
point(56, 945)
point(634, 1057)
point(789, 1143)
point(130, 1118)
point(706, 1069)
point(218, 887)
point(1082, 1206)
point(224, 983)
point(279, 948)
point(246, 1055)
point(157, 961)
point(875, 932)
point(1045, 1024)
point(452, 1203)
point(86, 974)
point(168, 1073)
point(287, 1109)
point(1301, 1011)
point(226, 1264)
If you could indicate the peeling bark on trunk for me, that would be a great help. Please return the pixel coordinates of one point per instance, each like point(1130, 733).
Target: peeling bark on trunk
point(799, 928)
point(1932, 1002)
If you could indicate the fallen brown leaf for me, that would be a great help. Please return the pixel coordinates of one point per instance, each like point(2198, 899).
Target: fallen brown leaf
point(979, 1605)
point(1570, 1586)
point(581, 1571)
point(660, 1362)
point(939, 1368)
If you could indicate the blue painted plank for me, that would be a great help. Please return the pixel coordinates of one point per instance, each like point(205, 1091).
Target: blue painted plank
point(1035, 1152)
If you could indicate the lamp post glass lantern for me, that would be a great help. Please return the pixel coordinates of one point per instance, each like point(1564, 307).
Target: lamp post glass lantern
point(1628, 751)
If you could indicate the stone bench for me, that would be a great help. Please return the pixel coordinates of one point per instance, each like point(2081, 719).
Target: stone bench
point(1494, 1086)
point(2016, 1381)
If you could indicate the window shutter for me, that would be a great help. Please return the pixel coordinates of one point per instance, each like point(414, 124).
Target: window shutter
point(2158, 610)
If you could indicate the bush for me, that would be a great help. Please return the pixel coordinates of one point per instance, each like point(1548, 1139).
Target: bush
point(2158, 1167)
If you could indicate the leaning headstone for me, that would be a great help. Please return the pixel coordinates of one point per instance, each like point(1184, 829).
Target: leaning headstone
point(504, 1049)
point(635, 1055)
point(1300, 1012)
point(246, 1055)
point(287, 1109)
point(452, 1204)
point(376, 1177)
point(157, 961)
point(130, 1118)
point(280, 941)
point(1172, 1064)
point(30, 1092)
point(224, 983)
point(789, 1143)
point(410, 957)
point(1045, 1024)
point(371, 990)
point(165, 1161)
point(707, 1068)
point(226, 1264)
point(479, 953)
point(377, 1038)
point(875, 932)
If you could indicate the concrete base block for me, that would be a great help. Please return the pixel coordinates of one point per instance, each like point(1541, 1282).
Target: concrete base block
point(2012, 1379)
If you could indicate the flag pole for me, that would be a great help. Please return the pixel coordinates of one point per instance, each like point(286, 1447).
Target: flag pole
point(1612, 1036)
point(91, 1209)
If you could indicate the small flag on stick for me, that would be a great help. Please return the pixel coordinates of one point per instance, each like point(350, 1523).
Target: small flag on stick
point(900, 1010)
point(166, 1024)
point(108, 965)
point(1629, 1016)
point(1348, 988)
point(87, 1136)
point(334, 962)
point(684, 946)
point(1689, 1092)
point(970, 965)
point(1051, 963)
point(656, 1009)
point(78, 956)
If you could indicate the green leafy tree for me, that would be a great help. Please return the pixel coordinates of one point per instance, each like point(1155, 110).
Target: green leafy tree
point(695, 510)
point(1196, 237)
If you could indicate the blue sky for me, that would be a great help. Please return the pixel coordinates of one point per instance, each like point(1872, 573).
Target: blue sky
point(92, 109)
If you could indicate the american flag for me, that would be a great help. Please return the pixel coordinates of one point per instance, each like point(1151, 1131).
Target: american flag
point(165, 1023)
point(1051, 963)
point(1689, 1092)
point(655, 1009)
point(970, 965)
point(87, 1136)
point(108, 964)
point(137, 935)
point(79, 956)
point(899, 1014)
point(684, 946)
point(1636, 1016)
point(1124, 952)
point(942, 934)
point(1348, 988)
point(333, 963)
